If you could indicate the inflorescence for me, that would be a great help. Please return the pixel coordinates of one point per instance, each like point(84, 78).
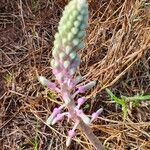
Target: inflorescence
point(68, 41)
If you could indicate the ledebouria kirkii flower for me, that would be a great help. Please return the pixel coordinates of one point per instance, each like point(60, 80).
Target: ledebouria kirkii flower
point(65, 61)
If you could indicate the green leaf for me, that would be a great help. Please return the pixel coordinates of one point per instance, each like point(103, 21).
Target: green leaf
point(120, 102)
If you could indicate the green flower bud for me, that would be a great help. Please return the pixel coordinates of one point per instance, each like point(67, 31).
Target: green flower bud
point(81, 34)
point(66, 64)
point(54, 64)
point(64, 40)
point(62, 56)
point(68, 49)
point(73, 55)
point(80, 18)
point(54, 53)
point(81, 45)
point(74, 30)
point(76, 41)
point(64, 28)
point(69, 25)
point(70, 36)
point(74, 13)
point(82, 26)
point(76, 23)
point(84, 11)
point(57, 43)
point(57, 36)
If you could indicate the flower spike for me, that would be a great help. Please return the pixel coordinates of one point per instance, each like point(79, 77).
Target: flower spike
point(64, 64)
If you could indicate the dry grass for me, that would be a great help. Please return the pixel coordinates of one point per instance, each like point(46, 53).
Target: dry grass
point(117, 55)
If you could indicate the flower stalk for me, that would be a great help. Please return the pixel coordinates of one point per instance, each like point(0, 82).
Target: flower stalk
point(68, 41)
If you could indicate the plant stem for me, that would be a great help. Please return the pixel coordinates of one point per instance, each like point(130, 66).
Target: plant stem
point(90, 135)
